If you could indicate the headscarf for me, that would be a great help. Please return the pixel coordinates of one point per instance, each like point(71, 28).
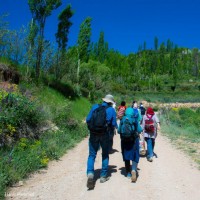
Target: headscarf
point(129, 112)
point(150, 111)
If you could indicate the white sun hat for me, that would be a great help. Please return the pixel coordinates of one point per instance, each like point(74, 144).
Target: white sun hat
point(109, 99)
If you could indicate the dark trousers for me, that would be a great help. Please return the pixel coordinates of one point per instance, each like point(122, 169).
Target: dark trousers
point(111, 136)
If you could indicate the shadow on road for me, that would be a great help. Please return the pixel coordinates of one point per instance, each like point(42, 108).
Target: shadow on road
point(122, 171)
point(111, 169)
point(113, 151)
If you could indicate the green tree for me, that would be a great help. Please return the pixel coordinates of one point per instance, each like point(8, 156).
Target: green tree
point(3, 34)
point(83, 43)
point(40, 10)
point(102, 48)
point(30, 45)
point(17, 44)
point(11, 41)
point(195, 59)
point(169, 45)
point(174, 67)
point(84, 39)
point(63, 27)
point(144, 45)
point(62, 36)
point(93, 49)
point(156, 43)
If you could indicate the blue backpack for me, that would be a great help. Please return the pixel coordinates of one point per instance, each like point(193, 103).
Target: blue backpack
point(135, 113)
point(128, 128)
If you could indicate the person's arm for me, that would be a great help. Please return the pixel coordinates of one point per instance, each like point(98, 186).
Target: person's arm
point(143, 121)
point(90, 113)
point(139, 115)
point(158, 125)
point(119, 128)
point(157, 122)
point(111, 117)
point(139, 128)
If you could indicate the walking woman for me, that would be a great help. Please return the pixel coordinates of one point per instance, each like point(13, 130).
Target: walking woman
point(150, 125)
point(130, 145)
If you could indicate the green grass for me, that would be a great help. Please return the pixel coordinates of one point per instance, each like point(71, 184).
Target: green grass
point(26, 156)
point(182, 128)
point(80, 107)
point(50, 98)
point(30, 155)
point(168, 97)
point(5, 60)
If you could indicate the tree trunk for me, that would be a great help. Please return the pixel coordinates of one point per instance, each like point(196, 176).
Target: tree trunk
point(37, 69)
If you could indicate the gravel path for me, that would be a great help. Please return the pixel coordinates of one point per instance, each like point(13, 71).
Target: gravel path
point(171, 176)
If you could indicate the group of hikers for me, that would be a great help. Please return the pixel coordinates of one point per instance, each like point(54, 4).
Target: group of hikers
point(134, 124)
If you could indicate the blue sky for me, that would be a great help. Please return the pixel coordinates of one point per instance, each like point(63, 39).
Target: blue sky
point(126, 23)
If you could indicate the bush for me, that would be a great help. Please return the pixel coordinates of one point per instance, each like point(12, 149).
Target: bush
point(19, 117)
point(118, 88)
point(198, 111)
point(28, 154)
point(85, 92)
point(63, 117)
point(66, 89)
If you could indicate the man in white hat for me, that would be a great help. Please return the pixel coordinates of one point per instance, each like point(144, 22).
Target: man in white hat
point(100, 120)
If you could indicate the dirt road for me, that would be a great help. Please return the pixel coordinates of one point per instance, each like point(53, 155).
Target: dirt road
point(171, 176)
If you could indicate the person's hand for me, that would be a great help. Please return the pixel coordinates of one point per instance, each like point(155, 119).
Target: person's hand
point(158, 126)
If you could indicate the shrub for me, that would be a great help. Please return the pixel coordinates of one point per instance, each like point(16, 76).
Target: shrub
point(66, 89)
point(85, 92)
point(19, 117)
point(198, 111)
point(118, 88)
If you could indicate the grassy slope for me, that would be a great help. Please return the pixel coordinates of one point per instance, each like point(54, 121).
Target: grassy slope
point(29, 156)
point(184, 133)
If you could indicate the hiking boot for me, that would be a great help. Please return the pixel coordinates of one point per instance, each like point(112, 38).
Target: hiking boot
point(90, 181)
point(150, 159)
point(143, 152)
point(134, 176)
point(104, 179)
point(129, 175)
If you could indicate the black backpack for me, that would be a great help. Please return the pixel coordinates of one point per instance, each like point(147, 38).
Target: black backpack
point(143, 110)
point(98, 124)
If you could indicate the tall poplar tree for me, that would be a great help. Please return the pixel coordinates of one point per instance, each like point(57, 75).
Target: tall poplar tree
point(3, 34)
point(84, 39)
point(102, 48)
point(40, 10)
point(83, 42)
point(62, 35)
point(156, 43)
point(63, 27)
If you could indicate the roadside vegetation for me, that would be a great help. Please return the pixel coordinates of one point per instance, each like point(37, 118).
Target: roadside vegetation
point(46, 89)
point(181, 125)
point(36, 127)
